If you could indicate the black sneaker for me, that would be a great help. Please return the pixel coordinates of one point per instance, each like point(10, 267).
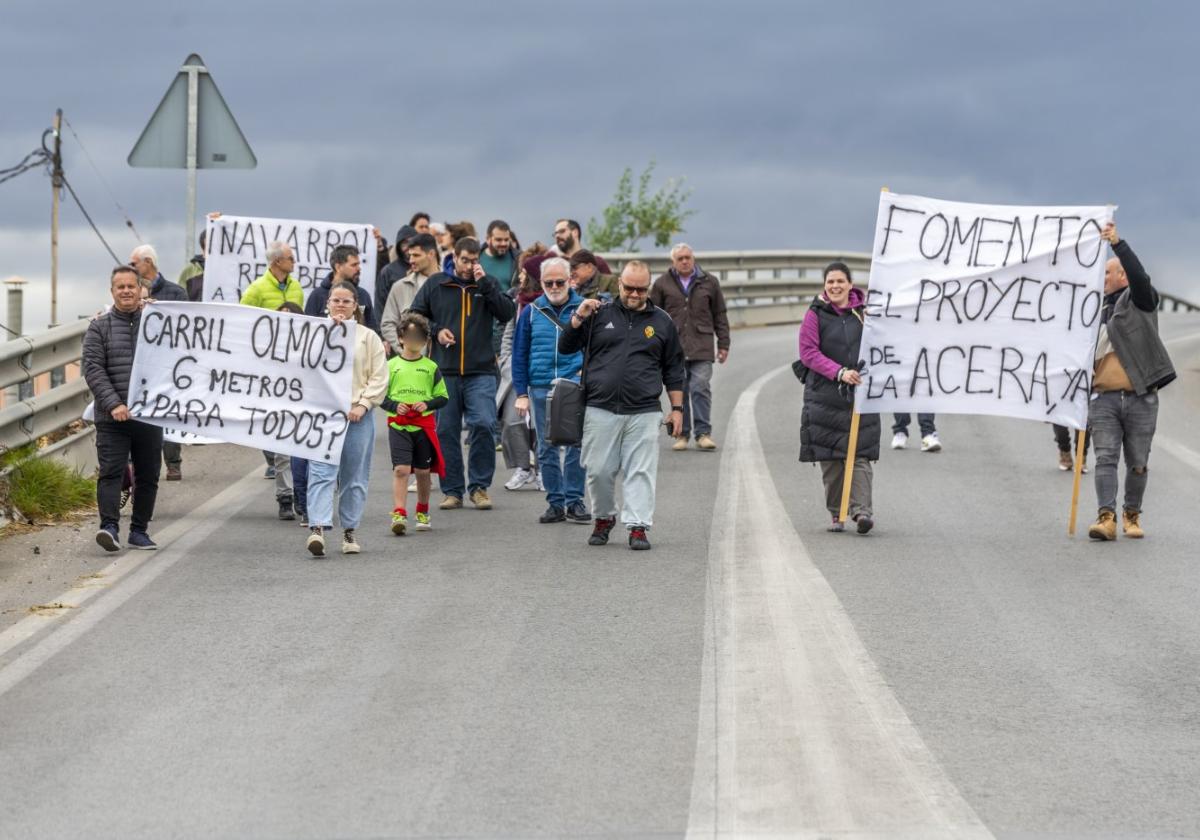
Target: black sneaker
point(578, 512)
point(637, 539)
point(552, 514)
point(108, 538)
point(141, 540)
point(604, 524)
point(285, 510)
point(865, 523)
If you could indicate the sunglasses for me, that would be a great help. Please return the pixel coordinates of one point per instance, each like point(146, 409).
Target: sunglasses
point(635, 290)
point(554, 284)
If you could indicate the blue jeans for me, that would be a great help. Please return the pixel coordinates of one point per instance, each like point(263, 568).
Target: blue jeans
point(473, 399)
point(300, 482)
point(350, 478)
point(1120, 420)
point(925, 421)
point(562, 473)
point(697, 399)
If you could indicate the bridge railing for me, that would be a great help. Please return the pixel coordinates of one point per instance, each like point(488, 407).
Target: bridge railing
point(50, 412)
point(761, 288)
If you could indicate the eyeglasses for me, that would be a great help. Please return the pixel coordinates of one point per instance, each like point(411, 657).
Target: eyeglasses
point(635, 290)
point(467, 261)
point(554, 284)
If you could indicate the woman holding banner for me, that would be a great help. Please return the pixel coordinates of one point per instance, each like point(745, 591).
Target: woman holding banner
point(829, 368)
point(367, 389)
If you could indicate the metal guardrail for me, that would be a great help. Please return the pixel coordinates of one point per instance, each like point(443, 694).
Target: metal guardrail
point(762, 288)
point(25, 421)
point(1177, 304)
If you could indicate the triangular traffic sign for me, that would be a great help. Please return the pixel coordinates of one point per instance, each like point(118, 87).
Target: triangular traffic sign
point(220, 144)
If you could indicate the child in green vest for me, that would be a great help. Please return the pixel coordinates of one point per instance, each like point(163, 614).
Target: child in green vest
point(415, 392)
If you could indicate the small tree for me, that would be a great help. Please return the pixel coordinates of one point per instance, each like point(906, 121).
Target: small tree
point(628, 220)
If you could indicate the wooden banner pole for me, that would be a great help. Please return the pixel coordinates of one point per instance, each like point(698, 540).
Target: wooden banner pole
point(1079, 455)
point(851, 451)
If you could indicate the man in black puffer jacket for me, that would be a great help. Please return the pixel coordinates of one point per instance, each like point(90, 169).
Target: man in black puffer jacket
point(108, 350)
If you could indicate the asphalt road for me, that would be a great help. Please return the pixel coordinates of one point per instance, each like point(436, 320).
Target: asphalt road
point(966, 670)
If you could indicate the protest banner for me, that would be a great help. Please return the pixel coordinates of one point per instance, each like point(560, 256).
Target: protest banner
point(169, 435)
point(237, 249)
point(263, 379)
point(983, 309)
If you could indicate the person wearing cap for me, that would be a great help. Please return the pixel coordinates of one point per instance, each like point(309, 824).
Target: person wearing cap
point(394, 270)
point(693, 299)
point(587, 279)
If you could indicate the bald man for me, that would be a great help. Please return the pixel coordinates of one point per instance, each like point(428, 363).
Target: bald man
point(1131, 366)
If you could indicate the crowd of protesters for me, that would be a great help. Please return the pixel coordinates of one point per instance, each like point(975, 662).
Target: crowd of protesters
point(466, 336)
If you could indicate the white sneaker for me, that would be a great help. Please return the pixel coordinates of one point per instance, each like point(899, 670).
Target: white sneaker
point(899, 440)
point(930, 443)
point(519, 479)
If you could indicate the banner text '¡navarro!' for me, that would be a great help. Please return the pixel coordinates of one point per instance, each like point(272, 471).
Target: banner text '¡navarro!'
point(299, 338)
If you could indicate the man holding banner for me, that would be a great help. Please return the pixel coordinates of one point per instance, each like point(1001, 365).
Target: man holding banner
point(1132, 364)
point(983, 309)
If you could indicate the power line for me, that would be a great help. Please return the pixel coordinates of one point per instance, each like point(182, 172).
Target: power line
point(33, 160)
point(103, 180)
point(79, 204)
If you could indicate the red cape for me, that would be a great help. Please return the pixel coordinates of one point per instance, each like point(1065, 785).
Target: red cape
point(427, 424)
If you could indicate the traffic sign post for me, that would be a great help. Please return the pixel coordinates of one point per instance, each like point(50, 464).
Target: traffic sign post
point(192, 129)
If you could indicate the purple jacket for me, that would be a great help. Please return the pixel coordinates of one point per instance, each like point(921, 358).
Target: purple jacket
point(810, 339)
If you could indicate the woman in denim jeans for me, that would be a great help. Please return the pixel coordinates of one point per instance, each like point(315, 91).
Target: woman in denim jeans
point(367, 389)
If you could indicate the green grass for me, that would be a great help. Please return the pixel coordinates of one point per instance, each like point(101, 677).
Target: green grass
point(44, 488)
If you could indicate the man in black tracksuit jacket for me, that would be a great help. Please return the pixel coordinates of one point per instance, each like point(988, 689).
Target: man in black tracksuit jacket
point(632, 350)
point(463, 309)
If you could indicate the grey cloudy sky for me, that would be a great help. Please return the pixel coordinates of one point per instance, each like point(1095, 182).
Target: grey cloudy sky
point(785, 117)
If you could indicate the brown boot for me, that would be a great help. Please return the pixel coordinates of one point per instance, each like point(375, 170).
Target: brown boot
point(1130, 524)
point(1105, 526)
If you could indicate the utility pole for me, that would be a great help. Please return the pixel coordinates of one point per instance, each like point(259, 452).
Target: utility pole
point(56, 183)
point(58, 375)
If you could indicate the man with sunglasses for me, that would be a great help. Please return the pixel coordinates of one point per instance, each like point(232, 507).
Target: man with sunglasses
point(631, 352)
point(463, 309)
point(536, 363)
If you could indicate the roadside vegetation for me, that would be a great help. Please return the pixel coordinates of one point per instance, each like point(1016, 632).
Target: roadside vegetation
point(40, 490)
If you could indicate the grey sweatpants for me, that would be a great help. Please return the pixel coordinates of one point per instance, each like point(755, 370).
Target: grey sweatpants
point(833, 473)
point(625, 443)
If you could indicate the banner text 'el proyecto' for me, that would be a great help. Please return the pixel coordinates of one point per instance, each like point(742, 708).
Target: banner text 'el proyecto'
point(983, 309)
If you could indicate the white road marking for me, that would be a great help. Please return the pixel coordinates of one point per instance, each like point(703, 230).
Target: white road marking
point(174, 543)
point(799, 735)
